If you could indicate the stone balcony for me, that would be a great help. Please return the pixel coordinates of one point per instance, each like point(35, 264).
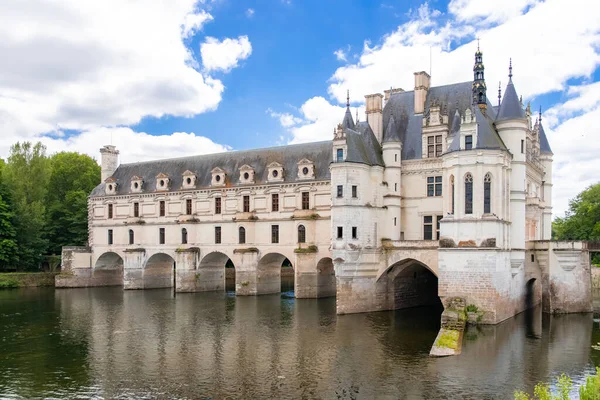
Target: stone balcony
point(134, 221)
point(187, 218)
point(245, 216)
point(532, 201)
point(305, 214)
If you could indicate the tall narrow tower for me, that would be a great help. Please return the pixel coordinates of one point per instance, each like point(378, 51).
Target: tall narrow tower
point(479, 88)
point(109, 159)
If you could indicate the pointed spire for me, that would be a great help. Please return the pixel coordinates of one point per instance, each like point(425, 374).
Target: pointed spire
point(510, 71)
point(348, 122)
point(348, 98)
point(391, 133)
point(540, 117)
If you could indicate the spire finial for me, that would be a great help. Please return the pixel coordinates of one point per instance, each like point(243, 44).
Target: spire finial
point(477, 43)
point(348, 98)
point(540, 118)
point(357, 115)
point(510, 69)
point(499, 92)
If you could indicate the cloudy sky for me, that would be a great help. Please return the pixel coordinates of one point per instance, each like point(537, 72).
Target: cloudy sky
point(167, 78)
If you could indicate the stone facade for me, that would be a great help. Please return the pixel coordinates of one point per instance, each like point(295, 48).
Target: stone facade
point(438, 194)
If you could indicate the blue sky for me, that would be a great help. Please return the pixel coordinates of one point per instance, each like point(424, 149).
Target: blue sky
point(173, 78)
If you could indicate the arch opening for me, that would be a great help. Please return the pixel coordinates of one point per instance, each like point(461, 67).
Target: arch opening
point(326, 280)
point(409, 283)
point(275, 274)
point(530, 294)
point(108, 269)
point(216, 272)
point(159, 271)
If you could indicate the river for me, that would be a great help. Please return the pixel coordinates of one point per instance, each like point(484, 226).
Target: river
point(110, 343)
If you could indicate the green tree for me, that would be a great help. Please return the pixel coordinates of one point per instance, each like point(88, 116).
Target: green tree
point(26, 177)
point(8, 233)
point(72, 178)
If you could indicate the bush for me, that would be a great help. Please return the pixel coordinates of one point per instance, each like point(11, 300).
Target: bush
point(590, 390)
point(472, 308)
point(8, 283)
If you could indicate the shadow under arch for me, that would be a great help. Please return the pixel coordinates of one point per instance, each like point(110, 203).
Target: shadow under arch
point(409, 283)
point(159, 271)
point(326, 280)
point(269, 272)
point(214, 270)
point(108, 269)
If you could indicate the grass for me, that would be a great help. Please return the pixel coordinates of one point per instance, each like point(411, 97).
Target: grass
point(448, 339)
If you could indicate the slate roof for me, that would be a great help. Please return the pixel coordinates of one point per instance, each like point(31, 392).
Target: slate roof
point(319, 152)
point(451, 98)
point(363, 146)
point(544, 144)
point(510, 108)
point(348, 122)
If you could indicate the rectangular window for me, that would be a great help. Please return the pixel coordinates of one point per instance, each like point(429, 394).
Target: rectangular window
point(438, 219)
point(110, 236)
point(161, 235)
point(274, 233)
point(434, 146)
point(354, 191)
point(522, 146)
point(217, 234)
point(340, 155)
point(340, 232)
point(217, 205)
point(246, 203)
point(162, 208)
point(340, 191)
point(305, 201)
point(188, 206)
point(434, 186)
point(468, 142)
point(110, 211)
point(428, 227)
point(275, 202)
point(136, 209)
point(354, 232)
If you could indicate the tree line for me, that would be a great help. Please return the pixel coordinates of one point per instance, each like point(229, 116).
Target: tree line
point(43, 204)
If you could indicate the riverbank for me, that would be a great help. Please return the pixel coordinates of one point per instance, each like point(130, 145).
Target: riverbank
point(11, 280)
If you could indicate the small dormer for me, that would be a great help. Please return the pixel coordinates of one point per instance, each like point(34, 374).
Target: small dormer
point(306, 169)
point(275, 172)
point(189, 180)
point(111, 185)
point(162, 182)
point(137, 184)
point(246, 174)
point(218, 177)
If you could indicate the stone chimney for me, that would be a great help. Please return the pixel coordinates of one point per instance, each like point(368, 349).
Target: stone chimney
point(422, 83)
point(109, 161)
point(375, 114)
point(390, 92)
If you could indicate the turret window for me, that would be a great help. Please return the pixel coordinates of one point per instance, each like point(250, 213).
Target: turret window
point(340, 191)
point(487, 192)
point(469, 194)
point(340, 155)
point(301, 234)
point(340, 232)
point(354, 191)
point(354, 232)
point(434, 186)
point(452, 192)
point(469, 142)
point(184, 236)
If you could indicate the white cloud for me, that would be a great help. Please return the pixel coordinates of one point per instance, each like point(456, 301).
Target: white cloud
point(224, 55)
point(489, 11)
point(135, 146)
point(83, 65)
point(340, 54)
point(250, 12)
point(285, 119)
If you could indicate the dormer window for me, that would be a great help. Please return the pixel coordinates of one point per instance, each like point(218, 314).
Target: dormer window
point(111, 186)
point(189, 180)
point(339, 155)
point(306, 169)
point(136, 184)
point(246, 174)
point(162, 182)
point(218, 177)
point(275, 172)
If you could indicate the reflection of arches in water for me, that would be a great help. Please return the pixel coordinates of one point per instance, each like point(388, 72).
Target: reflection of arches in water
point(159, 271)
point(216, 272)
point(269, 270)
point(409, 283)
point(530, 293)
point(326, 282)
point(109, 269)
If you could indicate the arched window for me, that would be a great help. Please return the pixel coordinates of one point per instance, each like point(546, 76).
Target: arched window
point(487, 194)
point(184, 238)
point(131, 237)
point(301, 234)
point(480, 97)
point(468, 194)
point(452, 194)
point(242, 235)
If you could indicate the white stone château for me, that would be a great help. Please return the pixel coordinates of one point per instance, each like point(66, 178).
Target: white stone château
point(439, 193)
